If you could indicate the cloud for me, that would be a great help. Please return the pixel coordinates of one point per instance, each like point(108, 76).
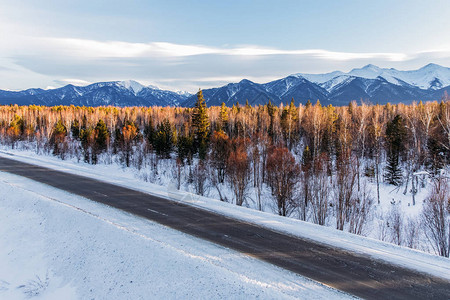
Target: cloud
point(49, 61)
point(119, 49)
point(73, 81)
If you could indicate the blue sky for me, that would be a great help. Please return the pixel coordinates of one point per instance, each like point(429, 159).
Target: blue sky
point(184, 45)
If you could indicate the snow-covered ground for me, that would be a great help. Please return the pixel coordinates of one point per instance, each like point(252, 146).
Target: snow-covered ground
point(55, 245)
point(402, 256)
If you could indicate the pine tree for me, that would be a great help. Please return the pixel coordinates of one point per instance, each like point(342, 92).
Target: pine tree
point(57, 138)
point(149, 131)
point(288, 122)
point(200, 123)
point(184, 149)
point(395, 135)
point(223, 117)
point(271, 112)
point(101, 138)
point(86, 143)
point(15, 129)
point(393, 172)
point(75, 129)
point(306, 158)
point(129, 137)
point(163, 140)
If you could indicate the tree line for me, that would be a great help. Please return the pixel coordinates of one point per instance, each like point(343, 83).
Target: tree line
point(315, 159)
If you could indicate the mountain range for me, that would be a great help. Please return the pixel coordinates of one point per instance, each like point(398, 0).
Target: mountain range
point(370, 83)
point(116, 93)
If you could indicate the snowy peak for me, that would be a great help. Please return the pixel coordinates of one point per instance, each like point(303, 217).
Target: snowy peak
point(133, 86)
point(183, 93)
point(319, 78)
point(371, 67)
point(369, 71)
point(432, 67)
point(429, 77)
point(369, 83)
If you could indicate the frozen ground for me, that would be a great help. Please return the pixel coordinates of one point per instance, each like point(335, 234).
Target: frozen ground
point(54, 245)
point(403, 256)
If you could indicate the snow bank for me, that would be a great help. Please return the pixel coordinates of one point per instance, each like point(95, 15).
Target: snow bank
point(402, 256)
point(55, 245)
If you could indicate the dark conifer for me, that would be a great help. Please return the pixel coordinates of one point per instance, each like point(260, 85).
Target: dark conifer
point(75, 129)
point(223, 117)
point(200, 123)
point(395, 136)
point(163, 141)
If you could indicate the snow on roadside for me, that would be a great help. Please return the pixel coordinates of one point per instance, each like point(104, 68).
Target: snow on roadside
point(402, 256)
point(56, 245)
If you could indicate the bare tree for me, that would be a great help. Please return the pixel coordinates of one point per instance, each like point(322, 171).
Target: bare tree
point(377, 131)
point(258, 172)
point(320, 194)
point(395, 225)
point(212, 174)
point(344, 186)
point(435, 216)
point(411, 233)
point(360, 207)
point(383, 229)
point(220, 150)
point(444, 120)
point(199, 175)
point(238, 172)
point(282, 173)
point(361, 136)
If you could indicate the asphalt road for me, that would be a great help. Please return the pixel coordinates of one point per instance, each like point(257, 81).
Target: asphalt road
point(356, 274)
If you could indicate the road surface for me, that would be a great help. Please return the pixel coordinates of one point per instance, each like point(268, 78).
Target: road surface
point(346, 271)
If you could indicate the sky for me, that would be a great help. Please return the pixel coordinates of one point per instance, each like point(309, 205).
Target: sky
point(187, 45)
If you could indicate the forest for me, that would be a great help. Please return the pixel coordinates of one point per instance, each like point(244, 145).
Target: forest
point(327, 165)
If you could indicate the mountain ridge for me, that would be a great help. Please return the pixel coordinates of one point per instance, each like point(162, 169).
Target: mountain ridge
point(369, 83)
point(116, 93)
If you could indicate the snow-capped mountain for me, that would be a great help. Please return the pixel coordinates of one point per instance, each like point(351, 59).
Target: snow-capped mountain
point(117, 93)
point(132, 85)
point(370, 83)
point(431, 76)
point(234, 92)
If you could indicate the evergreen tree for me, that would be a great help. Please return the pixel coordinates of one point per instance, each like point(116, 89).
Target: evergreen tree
point(57, 138)
point(149, 131)
point(15, 129)
point(308, 104)
point(86, 135)
point(306, 158)
point(200, 123)
point(393, 172)
point(184, 149)
point(271, 112)
point(289, 125)
point(130, 134)
point(75, 129)
point(223, 117)
point(163, 141)
point(101, 138)
point(395, 136)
